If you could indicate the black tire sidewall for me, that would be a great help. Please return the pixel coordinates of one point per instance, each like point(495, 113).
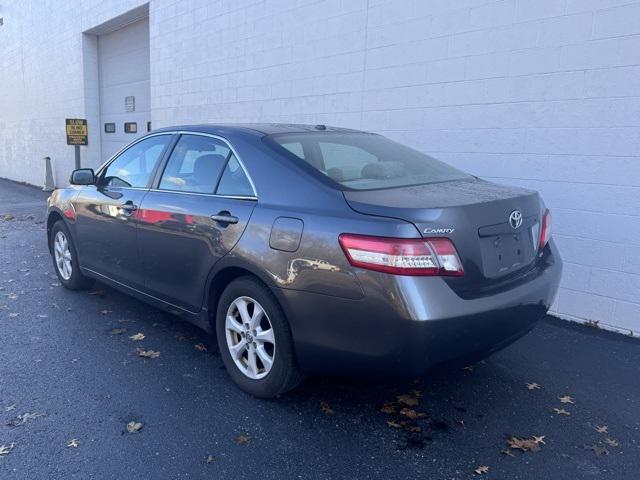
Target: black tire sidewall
point(284, 373)
point(77, 280)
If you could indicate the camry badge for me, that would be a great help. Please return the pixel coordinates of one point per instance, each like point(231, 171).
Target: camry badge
point(515, 219)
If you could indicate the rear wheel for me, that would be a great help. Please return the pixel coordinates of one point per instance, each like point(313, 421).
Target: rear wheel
point(65, 258)
point(255, 340)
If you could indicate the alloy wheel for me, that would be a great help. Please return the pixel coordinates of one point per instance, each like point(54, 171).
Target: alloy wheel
point(62, 255)
point(250, 337)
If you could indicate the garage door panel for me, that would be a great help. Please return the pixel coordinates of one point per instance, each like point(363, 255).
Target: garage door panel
point(113, 101)
point(123, 57)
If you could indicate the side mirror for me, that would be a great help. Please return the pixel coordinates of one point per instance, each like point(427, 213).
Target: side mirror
point(83, 176)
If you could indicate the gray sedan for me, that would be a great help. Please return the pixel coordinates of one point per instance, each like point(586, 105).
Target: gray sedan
point(310, 248)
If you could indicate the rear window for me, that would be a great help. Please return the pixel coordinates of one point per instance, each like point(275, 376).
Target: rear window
point(362, 161)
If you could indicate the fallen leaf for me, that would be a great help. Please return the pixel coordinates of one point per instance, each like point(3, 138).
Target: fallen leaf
point(147, 353)
point(243, 439)
point(408, 400)
point(392, 424)
point(468, 368)
point(326, 408)
point(388, 408)
point(526, 445)
point(539, 439)
point(7, 216)
point(612, 442)
point(533, 386)
point(73, 443)
point(117, 331)
point(598, 450)
point(137, 337)
point(411, 428)
point(134, 427)
point(201, 347)
point(106, 312)
point(482, 470)
point(567, 399)
point(24, 418)
point(210, 459)
point(180, 338)
point(508, 452)
point(561, 411)
point(6, 449)
point(412, 414)
point(10, 407)
point(602, 429)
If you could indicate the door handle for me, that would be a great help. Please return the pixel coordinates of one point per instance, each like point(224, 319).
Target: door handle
point(224, 217)
point(129, 208)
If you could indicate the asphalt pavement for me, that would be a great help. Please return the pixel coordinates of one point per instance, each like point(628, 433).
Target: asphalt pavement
point(71, 380)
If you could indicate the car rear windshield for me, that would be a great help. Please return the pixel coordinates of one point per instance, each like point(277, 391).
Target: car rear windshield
point(362, 161)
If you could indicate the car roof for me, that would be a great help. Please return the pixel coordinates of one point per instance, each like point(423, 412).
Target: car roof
point(259, 129)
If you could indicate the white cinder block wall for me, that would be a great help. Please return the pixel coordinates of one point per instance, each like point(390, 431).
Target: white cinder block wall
point(544, 94)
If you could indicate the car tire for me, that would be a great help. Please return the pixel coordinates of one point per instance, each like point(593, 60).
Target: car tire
point(247, 340)
point(63, 251)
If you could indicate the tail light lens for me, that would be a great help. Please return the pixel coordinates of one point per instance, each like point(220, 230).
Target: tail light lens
point(545, 229)
point(402, 256)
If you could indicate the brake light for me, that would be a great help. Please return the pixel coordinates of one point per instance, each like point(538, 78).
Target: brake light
point(402, 256)
point(545, 229)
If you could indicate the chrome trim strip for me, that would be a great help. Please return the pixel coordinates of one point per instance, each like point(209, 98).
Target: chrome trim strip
point(237, 197)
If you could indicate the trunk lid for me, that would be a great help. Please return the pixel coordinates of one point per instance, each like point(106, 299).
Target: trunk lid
point(474, 214)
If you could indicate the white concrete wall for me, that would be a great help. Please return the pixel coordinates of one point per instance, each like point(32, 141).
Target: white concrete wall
point(540, 93)
point(42, 82)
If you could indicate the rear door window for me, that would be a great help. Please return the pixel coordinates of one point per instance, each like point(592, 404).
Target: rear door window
point(195, 165)
point(234, 181)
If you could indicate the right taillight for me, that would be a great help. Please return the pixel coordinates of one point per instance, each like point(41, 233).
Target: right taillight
point(402, 256)
point(545, 229)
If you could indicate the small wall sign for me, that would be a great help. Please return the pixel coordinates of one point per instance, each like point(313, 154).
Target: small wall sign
point(130, 103)
point(77, 132)
point(109, 128)
point(130, 127)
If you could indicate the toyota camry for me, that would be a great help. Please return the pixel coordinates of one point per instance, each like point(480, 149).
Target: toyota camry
point(310, 248)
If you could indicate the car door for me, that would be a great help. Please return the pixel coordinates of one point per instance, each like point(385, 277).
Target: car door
point(106, 213)
point(197, 212)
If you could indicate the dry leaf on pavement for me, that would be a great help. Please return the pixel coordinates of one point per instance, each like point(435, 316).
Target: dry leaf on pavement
point(117, 331)
point(24, 418)
point(567, 399)
point(561, 411)
point(408, 400)
point(392, 424)
point(326, 408)
point(147, 353)
point(200, 347)
point(481, 470)
point(389, 408)
point(137, 337)
point(73, 443)
point(533, 386)
point(6, 449)
point(243, 439)
point(210, 459)
point(602, 429)
point(598, 450)
point(412, 414)
point(612, 442)
point(134, 427)
point(526, 445)
point(105, 312)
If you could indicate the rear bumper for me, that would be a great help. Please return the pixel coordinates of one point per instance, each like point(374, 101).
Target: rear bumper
point(405, 325)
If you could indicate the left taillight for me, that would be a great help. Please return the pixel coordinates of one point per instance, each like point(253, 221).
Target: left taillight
point(545, 229)
point(402, 256)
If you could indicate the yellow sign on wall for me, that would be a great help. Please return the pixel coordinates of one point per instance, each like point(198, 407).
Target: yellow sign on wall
point(77, 132)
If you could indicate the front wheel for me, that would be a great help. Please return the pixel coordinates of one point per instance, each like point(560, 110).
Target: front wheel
point(254, 339)
point(65, 258)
